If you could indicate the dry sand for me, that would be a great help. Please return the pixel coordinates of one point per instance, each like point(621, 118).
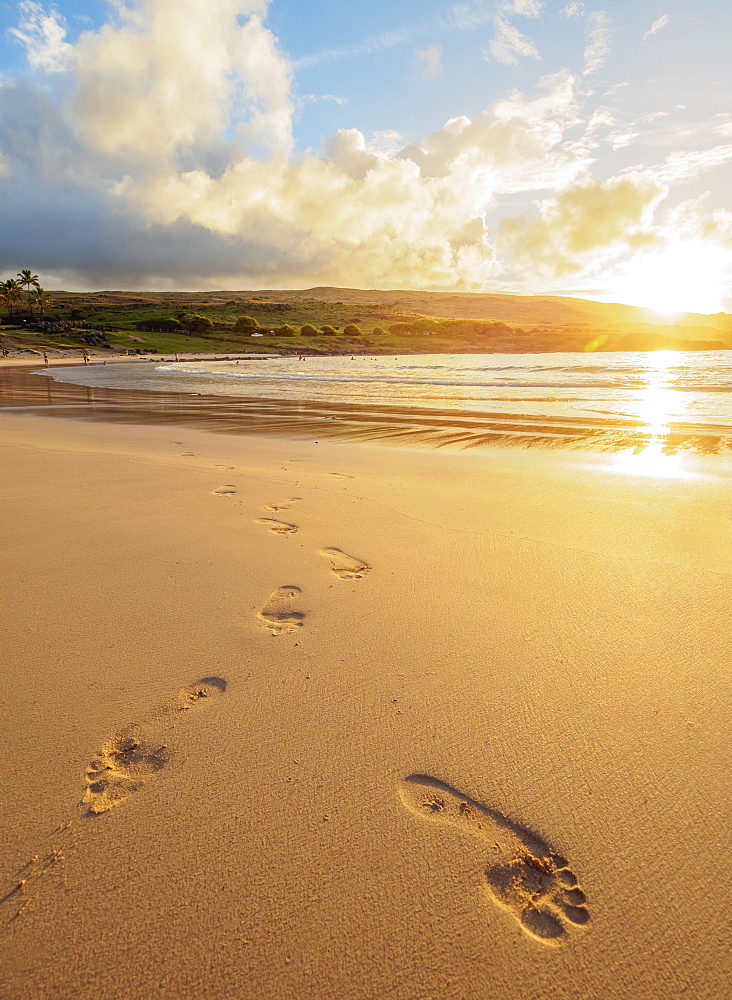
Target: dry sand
point(287, 720)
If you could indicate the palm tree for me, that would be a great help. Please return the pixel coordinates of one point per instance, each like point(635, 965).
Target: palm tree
point(11, 293)
point(42, 300)
point(28, 280)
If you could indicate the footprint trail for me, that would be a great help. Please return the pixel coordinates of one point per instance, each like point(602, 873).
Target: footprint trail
point(276, 615)
point(528, 879)
point(278, 527)
point(127, 760)
point(345, 567)
point(281, 506)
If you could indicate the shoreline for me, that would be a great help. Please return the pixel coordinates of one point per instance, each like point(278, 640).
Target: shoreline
point(384, 423)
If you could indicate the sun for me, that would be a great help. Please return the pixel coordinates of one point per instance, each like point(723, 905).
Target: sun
point(689, 276)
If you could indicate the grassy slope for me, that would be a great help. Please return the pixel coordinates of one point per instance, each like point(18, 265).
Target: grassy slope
point(530, 324)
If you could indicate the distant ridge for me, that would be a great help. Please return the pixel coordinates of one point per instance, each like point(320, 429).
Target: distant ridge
point(525, 310)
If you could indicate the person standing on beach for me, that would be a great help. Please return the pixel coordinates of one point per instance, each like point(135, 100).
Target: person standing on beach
point(45, 359)
point(86, 359)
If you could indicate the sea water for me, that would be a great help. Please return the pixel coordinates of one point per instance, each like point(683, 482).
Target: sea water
point(680, 398)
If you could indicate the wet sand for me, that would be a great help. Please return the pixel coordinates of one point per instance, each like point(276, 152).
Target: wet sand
point(286, 719)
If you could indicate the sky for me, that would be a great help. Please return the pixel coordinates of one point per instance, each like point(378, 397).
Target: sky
point(519, 146)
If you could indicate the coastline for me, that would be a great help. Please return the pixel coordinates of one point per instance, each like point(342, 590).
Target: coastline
point(546, 637)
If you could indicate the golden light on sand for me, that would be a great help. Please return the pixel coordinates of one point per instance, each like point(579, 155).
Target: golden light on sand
point(687, 277)
point(657, 404)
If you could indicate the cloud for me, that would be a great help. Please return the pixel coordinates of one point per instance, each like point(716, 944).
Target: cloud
point(575, 8)
point(657, 26)
point(524, 8)
point(366, 47)
point(509, 44)
point(44, 36)
point(597, 44)
point(166, 79)
point(367, 211)
point(467, 16)
point(432, 56)
point(687, 165)
point(314, 98)
point(589, 219)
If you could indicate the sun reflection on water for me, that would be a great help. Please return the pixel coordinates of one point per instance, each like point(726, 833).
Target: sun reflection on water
point(658, 403)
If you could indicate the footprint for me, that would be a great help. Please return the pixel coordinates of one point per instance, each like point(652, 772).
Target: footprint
point(127, 760)
point(339, 475)
point(281, 506)
point(224, 468)
point(528, 879)
point(223, 491)
point(279, 527)
point(344, 566)
point(275, 614)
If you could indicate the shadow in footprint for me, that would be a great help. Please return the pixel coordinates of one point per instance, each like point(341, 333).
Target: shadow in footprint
point(281, 506)
point(133, 755)
point(223, 491)
point(276, 615)
point(530, 880)
point(345, 567)
point(278, 527)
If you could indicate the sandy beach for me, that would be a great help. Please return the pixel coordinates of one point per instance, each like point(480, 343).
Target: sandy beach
point(286, 719)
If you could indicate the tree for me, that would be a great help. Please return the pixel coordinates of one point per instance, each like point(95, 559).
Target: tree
point(246, 324)
point(351, 331)
point(199, 324)
point(285, 330)
point(329, 331)
point(42, 300)
point(11, 294)
point(28, 280)
point(308, 330)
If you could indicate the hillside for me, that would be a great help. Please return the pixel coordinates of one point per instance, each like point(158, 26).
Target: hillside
point(348, 320)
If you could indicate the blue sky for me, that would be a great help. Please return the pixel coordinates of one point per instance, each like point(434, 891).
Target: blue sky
point(517, 145)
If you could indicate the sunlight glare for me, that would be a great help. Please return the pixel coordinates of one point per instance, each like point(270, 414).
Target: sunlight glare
point(657, 404)
point(687, 277)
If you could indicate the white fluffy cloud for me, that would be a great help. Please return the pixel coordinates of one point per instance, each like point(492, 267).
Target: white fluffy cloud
point(168, 75)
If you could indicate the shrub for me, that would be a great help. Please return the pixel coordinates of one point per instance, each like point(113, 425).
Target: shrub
point(352, 331)
point(199, 324)
point(378, 330)
point(167, 325)
point(425, 325)
point(308, 330)
point(285, 330)
point(328, 331)
point(246, 324)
